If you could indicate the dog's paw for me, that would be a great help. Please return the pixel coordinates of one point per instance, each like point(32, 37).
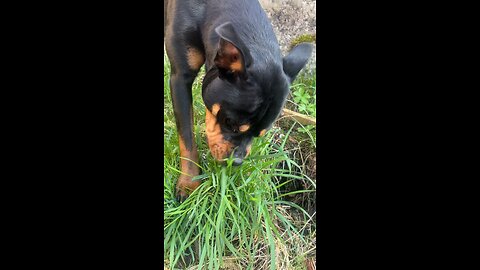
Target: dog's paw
point(181, 196)
point(185, 186)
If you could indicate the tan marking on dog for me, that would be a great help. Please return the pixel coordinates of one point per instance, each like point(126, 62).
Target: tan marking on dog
point(236, 66)
point(262, 132)
point(244, 127)
point(215, 109)
point(195, 58)
point(188, 166)
point(249, 147)
point(189, 169)
point(219, 147)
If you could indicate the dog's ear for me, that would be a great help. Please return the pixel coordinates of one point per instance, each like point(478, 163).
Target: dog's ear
point(296, 60)
point(232, 55)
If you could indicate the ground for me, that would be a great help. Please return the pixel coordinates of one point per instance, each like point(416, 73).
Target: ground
point(291, 18)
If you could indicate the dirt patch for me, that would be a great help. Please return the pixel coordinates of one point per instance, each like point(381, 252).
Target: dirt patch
point(301, 149)
point(290, 19)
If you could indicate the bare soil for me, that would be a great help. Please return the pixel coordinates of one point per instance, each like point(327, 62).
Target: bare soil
point(290, 19)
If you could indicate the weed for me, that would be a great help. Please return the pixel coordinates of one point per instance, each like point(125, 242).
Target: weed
point(303, 99)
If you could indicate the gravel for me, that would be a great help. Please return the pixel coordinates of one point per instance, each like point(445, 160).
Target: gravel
point(290, 19)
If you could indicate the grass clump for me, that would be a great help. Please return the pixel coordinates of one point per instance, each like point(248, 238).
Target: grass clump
point(239, 217)
point(311, 38)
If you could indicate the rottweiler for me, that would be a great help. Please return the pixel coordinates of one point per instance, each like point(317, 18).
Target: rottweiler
point(246, 82)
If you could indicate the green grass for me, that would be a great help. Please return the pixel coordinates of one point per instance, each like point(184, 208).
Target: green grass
point(239, 217)
point(303, 99)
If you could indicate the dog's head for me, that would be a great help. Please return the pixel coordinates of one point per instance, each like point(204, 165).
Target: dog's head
point(244, 96)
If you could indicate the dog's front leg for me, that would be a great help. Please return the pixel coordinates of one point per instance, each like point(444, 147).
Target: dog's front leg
point(181, 92)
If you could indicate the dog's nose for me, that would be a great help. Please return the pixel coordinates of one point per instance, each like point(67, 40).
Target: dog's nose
point(238, 156)
point(237, 161)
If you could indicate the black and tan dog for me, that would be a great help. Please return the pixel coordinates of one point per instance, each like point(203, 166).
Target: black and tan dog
point(246, 83)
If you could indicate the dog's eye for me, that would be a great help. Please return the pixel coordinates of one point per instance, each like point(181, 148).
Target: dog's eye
point(231, 125)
